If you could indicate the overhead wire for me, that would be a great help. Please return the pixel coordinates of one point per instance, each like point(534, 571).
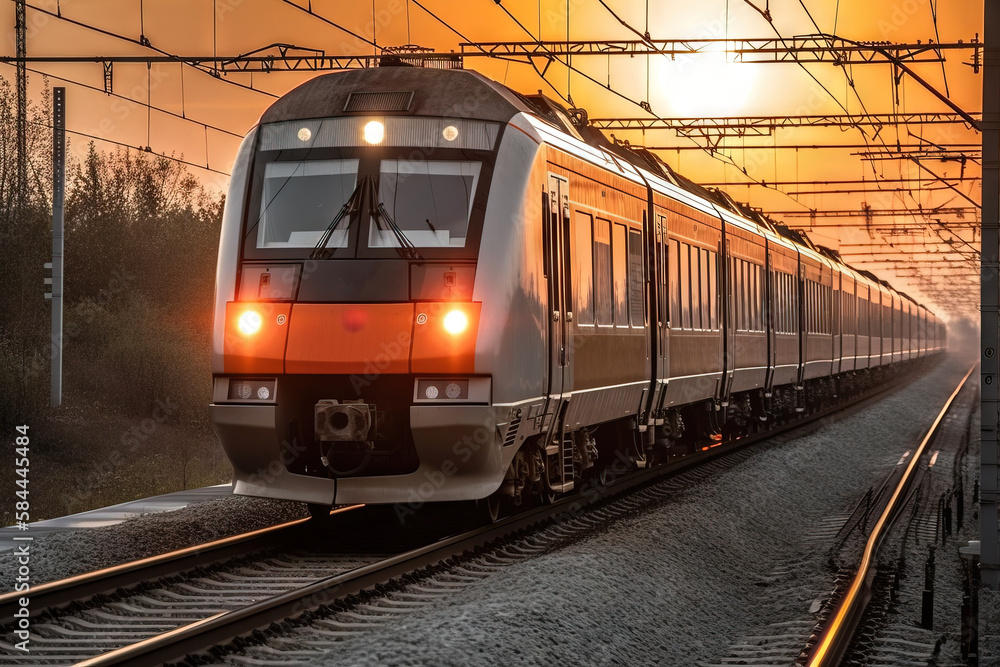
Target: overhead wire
point(895, 193)
point(108, 33)
point(476, 44)
point(724, 159)
point(332, 23)
point(136, 148)
point(134, 101)
point(937, 36)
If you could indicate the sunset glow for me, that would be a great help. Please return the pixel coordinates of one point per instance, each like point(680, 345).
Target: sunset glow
point(708, 84)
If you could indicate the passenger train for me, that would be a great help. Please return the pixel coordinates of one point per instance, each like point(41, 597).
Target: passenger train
point(433, 288)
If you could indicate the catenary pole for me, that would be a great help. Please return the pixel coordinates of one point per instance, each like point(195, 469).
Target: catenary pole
point(990, 298)
point(58, 193)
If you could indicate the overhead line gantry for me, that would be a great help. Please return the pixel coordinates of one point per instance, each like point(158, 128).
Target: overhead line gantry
point(803, 49)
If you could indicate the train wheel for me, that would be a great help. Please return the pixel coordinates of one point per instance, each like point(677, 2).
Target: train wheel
point(488, 509)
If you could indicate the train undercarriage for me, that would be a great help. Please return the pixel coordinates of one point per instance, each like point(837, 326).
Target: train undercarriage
point(551, 464)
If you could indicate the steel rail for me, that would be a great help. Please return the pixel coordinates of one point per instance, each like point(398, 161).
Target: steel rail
point(225, 626)
point(839, 632)
point(73, 589)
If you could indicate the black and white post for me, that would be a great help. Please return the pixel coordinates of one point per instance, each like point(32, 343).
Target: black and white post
point(58, 194)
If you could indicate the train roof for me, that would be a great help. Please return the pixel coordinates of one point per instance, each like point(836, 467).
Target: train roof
point(399, 88)
point(413, 91)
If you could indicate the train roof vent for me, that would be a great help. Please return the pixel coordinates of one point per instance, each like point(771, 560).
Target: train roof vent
point(380, 101)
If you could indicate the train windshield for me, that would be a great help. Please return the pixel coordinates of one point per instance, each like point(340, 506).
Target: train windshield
point(429, 201)
point(300, 201)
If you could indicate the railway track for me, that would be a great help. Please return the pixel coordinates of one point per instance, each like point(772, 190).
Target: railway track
point(841, 626)
point(228, 594)
point(78, 618)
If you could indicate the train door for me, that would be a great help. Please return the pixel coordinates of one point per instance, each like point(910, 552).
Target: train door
point(662, 361)
point(800, 296)
point(837, 314)
point(557, 269)
point(728, 317)
point(770, 319)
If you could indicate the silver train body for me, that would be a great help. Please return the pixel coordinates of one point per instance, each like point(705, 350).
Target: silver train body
point(431, 288)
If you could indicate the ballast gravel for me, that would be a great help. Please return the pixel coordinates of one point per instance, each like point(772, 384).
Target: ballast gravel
point(65, 554)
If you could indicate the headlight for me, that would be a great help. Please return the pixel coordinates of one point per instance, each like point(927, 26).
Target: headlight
point(250, 323)
point(456, 322)
point(374, 132)
point(442, 390)
point(251, 390)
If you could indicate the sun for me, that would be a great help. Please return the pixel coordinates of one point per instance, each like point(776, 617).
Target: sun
point(705, 84)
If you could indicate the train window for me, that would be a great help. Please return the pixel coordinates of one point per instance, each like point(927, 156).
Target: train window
point(637, 309)
point(619, 254)
point(736, 292)
point(790, 306)
point(775, 304)
point(674, 263)
point(790, 309)
point(796, 304)
point(810, 309)
point(822, 309)
point(301, 199)
point(758, 298)
point(808, 306)
point(739, 294)
point(828, 311)
point(695, 287)
point(663, 291)
point(685, 282)
point(846, 319)
point(789, 297)
point(583, 268)
point(817, 308)
point(746, 294)
point(780, 303)
point(602, 271)
point(429, 202)
point(863, 314)
point(713, 289)
point(784, 303)
point(706, 293)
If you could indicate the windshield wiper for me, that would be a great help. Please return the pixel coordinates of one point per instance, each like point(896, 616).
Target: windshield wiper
point(348, 209)
point(406, 249)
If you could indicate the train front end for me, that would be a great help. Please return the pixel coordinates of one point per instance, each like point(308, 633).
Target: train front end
point(350, 360)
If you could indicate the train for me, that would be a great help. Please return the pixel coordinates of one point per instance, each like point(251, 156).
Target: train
point(432, 288)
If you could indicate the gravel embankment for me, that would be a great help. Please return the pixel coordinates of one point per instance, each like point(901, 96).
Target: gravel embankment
point(68, 553)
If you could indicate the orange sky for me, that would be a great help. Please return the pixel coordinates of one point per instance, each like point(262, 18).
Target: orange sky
point(700, 86)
